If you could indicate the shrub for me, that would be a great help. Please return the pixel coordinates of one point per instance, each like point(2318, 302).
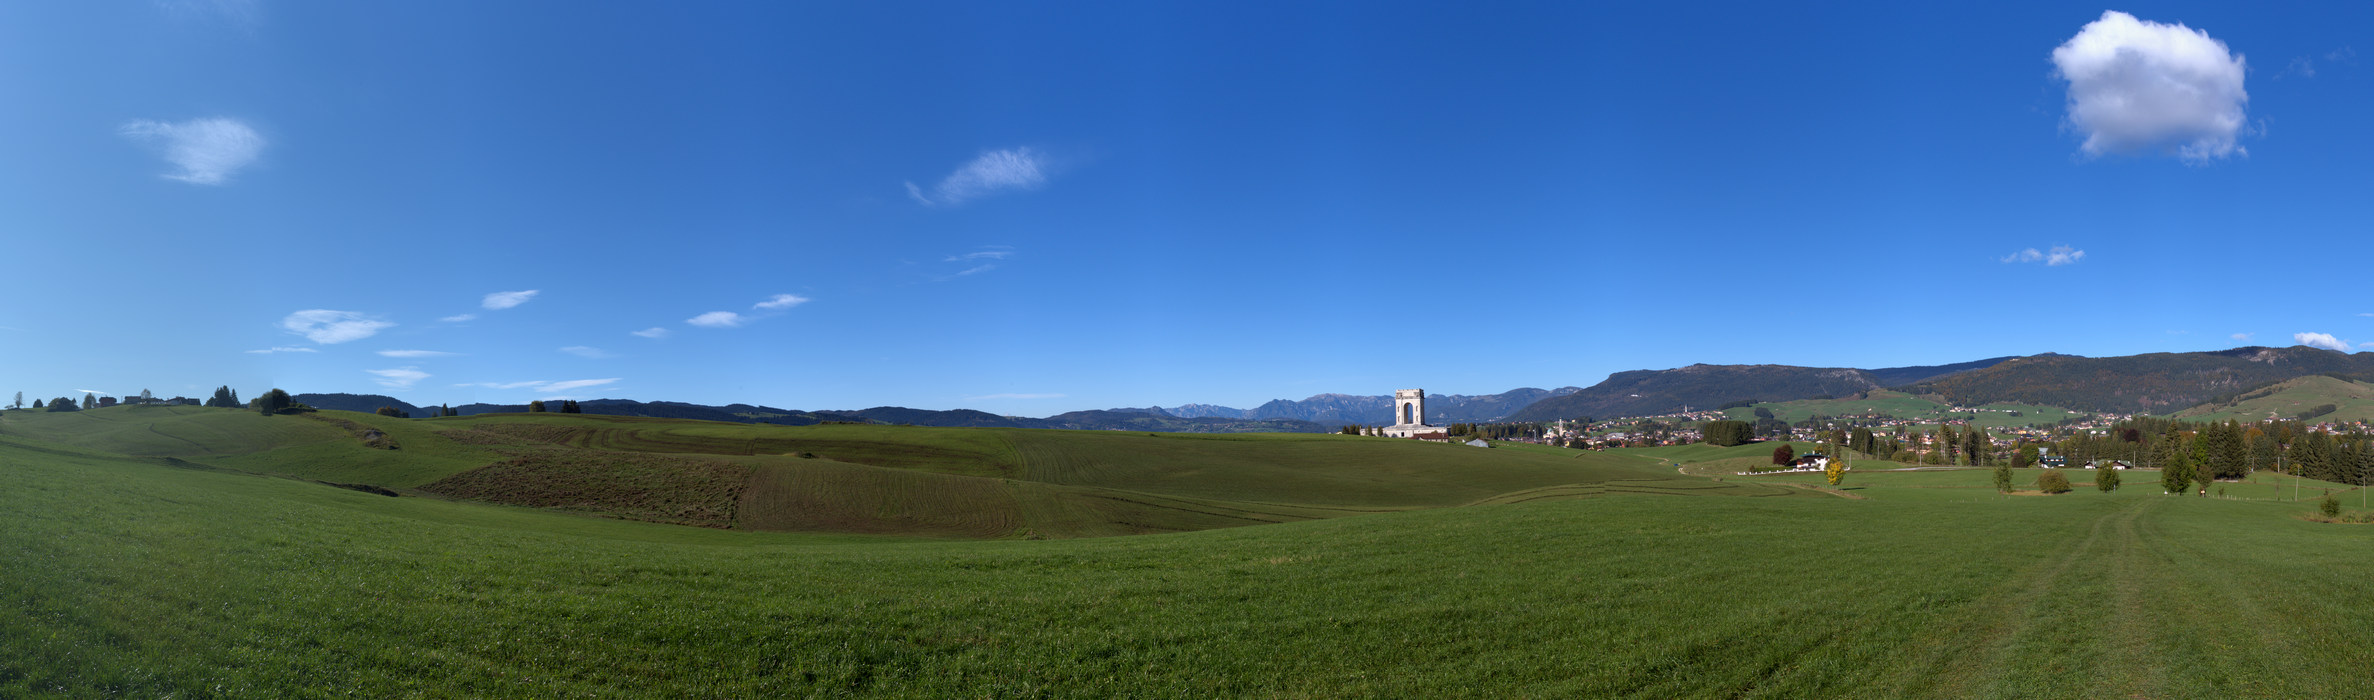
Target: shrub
point(2331, 506)
point(2052, 481)
point(2003, 478)
point(2106, 480)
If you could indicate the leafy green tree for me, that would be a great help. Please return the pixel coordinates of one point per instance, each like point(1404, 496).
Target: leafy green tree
point(1726, 433)
point(570, 406)
point(37, 403)
point(63, 404)
point(2052, 481)
point(2106, 478)
point(535, 406)
point(2175, 475)
point(2003, 478)
point(224, 397)
point(272, 402)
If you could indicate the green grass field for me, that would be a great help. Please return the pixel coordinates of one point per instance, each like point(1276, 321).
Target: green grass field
point(159, 575)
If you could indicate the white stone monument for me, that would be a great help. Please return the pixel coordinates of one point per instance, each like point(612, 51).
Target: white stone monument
point(1409, 414)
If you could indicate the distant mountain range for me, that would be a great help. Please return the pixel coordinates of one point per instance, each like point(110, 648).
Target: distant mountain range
point(1654, 392)
point(1145, 420)
point(2152, 383)
point(1347, 409)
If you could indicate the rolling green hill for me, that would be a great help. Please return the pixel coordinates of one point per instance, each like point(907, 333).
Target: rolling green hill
point(122, 576)
point(946, 482)
point(2351, 401)
point(2149, 383)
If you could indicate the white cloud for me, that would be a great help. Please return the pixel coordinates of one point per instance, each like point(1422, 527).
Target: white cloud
point(654, 332)
point(781, 301)
point(2058, 256)
point(2240, 336)
point(974, 270)
point(416, 353)
point(208, 151)
point(718, 319)
point(505, 300)
point(2371, 315)
point(398, 378)
point(1001, 397)
point(2321, 340)
point(2137, 86)
point(459, 318)
point(591, 353)
point(980, 255)
point(330, 327)
point(992, 172)
point(268, 351)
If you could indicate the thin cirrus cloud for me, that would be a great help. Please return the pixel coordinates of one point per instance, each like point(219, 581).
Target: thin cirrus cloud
point(207, 151)
point(976, 262)
point(2137, 86)
point(780, 301)
point(330, 327)
point(654, 333)
point(730, 319)
point(2321, 340)
point(504, 300)
point(990, 173)
point(543, 386)
point(398, 378)
point(416, 353)
point(2058, 256)
point(718, 319)
point(459, 318)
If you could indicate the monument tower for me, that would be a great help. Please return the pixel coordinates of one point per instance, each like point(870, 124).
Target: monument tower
point(1409, 414)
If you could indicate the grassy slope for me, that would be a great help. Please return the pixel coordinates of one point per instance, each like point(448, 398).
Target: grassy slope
point(2286, 400)
point(951, 482)
point(119, 576)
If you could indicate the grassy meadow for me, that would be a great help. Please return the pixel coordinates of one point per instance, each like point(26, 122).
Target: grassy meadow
point(144, 572)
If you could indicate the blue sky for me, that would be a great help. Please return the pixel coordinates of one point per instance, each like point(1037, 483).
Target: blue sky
point(1035, 208)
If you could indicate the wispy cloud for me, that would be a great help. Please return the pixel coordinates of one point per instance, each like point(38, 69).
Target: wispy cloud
point(718, 319)
point(2321, 340)
point(284, 348)
point(330, 327)
point(654, 332)
point(990, 173)
point(416, 353)
point(208, 151)
point(2140, 86)
point(459, 318)
point(398, 378)
point(587, 352)
point(1002, 397)
point(505, 300)
point(542, 386)
point(2058, 256)
point(2367, 315)
point(780, 301)
point(2241, 336)
point(976, 262)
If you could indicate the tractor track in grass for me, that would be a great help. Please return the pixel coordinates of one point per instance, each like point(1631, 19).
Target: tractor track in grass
point(1979, 659)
